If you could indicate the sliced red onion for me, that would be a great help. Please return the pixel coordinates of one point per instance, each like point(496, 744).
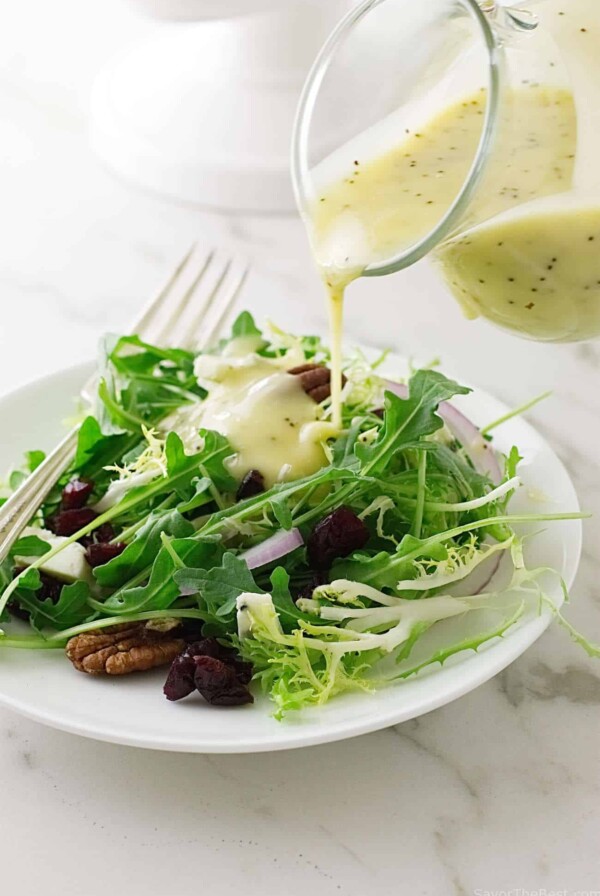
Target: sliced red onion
point(482, 455)
point(480, 451)
point(278, 545)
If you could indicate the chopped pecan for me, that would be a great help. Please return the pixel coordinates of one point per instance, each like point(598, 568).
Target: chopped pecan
point(121, 649)
point(315, 379)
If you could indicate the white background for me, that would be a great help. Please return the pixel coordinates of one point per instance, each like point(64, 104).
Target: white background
point(498, 790)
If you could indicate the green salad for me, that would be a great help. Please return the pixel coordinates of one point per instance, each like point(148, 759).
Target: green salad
point(214, 522)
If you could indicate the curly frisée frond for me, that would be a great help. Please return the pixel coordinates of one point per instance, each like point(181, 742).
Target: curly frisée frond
point(151, 459)
point(347, 650)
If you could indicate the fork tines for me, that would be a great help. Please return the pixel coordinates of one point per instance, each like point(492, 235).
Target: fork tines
point(193, 305)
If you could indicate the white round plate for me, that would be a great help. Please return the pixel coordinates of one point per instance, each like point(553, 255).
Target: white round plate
point(43, 685)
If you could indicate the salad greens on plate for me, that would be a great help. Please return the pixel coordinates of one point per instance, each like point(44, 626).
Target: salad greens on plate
point(395, 551)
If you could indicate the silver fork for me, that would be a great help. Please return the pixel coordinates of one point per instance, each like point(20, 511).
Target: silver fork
point(188, 312)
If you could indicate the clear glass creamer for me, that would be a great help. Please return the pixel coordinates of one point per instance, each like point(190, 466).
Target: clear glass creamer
point(470, 132)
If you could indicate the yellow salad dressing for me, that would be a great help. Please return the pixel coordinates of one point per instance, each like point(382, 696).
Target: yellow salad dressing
point(384, 205)
point(537, 272)
point(270, 422)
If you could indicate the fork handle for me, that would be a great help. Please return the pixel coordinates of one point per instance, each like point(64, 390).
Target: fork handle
point(29, 497)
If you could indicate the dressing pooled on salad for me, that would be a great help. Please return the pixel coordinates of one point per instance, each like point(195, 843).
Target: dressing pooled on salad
point(263, 411)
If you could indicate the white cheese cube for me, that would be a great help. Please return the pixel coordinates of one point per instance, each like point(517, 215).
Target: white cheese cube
point(68, 566)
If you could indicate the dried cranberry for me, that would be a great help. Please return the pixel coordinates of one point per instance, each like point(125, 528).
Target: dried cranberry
point(76, 494)
point(99, 554)
point(68, 522)
point(252, 484)
point(212, 647)
point(218, 683)
point(101, 535)
point(180, 680)
point(222, 679)
point(379, 412)
point(337, 535)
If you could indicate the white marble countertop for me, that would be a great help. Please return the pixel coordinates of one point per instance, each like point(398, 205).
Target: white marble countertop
point(498, 790)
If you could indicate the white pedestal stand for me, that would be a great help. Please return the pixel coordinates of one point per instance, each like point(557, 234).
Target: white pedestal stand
point(203, 111)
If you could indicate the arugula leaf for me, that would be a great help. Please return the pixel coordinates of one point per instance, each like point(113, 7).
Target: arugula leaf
point(218, 588)
point(511, 462)
point(16, 479)
point(30, 546)
point(116, 418)
point(182, 468)
point(132, 356)
point(152, 400)
point(182, 473)
point(408, 419)
point(201, 495)
point(456, 473)
point(344, 448)
point(71, 608)
point(281, 511)
point(30, 580)
point(215, 452)
point(244, 325)
point(162, 590)
point(96, 450)
point(33, 459)
point(289, 614)
point(139, 383)
point(140, 553)
point(313, 346)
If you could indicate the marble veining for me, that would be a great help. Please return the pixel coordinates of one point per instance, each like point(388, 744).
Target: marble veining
point(497, 790)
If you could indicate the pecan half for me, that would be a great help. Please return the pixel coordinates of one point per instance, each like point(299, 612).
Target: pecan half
point(121, 649)
point(315, 379)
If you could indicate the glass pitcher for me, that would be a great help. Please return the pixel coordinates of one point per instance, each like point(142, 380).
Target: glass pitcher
point(469, 132)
